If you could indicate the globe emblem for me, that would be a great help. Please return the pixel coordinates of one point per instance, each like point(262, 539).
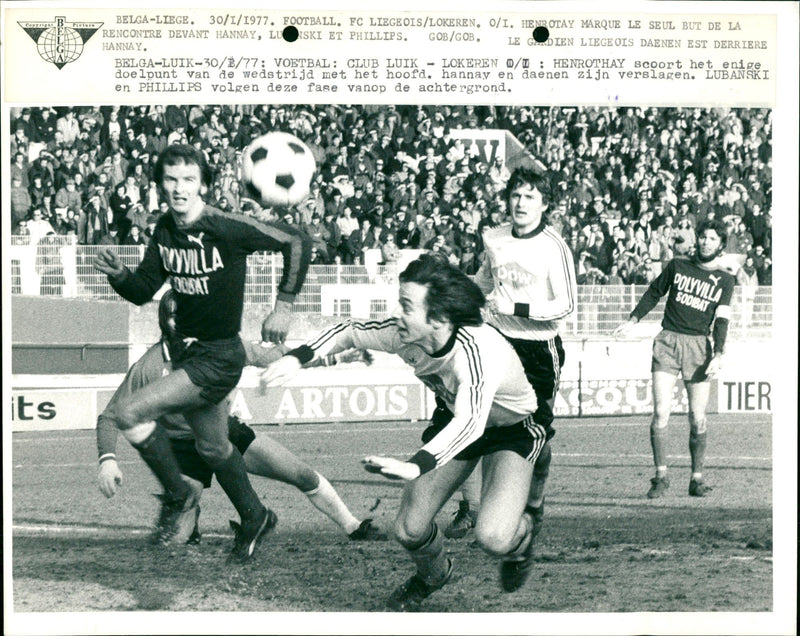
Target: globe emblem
point(60, 45)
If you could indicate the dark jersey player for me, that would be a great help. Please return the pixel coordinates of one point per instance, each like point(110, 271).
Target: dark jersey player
point(202, 252)
point(262, 455)
point(692, 342)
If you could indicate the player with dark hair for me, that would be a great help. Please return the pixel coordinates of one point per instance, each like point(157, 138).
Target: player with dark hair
point(528, 276)
point(202, 252)
point(262, 455)
point(697, 311)
point(438, 330)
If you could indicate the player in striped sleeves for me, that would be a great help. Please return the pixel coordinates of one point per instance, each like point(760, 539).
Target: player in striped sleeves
point(438, 330)
point(528, 276)
point(698, 308)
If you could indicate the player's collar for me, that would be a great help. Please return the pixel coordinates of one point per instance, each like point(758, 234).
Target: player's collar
point(537, 230)
point(448, 346)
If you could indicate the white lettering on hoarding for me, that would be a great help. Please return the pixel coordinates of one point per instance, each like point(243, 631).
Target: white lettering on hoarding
point(341, 402)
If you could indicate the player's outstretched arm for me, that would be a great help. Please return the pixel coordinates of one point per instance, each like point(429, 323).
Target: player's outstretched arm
point(391, 468)
point(281, 371)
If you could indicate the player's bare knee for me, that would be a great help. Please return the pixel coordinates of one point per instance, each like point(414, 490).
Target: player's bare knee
point(408, 536)
point(697, 423)
point(492, 539)
point(659, 421)
point(213, 454)
point(305, 479)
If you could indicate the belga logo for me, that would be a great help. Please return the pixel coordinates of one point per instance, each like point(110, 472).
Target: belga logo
point(60, 42)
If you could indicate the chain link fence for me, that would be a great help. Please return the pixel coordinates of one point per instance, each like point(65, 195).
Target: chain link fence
point(57, 266)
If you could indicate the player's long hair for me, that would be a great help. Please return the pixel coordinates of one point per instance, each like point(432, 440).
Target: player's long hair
point(167, 307)
point(177, 154)
point(451, 294)
point(720, 229)
point(527, 176)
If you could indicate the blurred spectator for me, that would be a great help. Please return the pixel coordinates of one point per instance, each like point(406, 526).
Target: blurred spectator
point(21, 228)
point(111, 237)
point(68, 196)
point(358, 241)
point(135, 236)
point(93, 221)
point(21, 202)
point(121, 204)
point(645, 171)
point(765, 272)
point(38, 226)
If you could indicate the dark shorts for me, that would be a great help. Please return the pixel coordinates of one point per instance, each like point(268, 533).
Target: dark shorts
point(680, 353)
point(542, 361)
point(525, 438)
point(214, 366)
point(192, 465)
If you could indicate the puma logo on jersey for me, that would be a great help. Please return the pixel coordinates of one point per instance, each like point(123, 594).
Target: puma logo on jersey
point(197, 239)
point(514, 274)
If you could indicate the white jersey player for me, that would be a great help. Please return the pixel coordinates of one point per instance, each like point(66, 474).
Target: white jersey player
point(528, 276)
point(471, 368)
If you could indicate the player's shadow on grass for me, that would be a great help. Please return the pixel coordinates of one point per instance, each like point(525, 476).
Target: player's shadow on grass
point(291, 573)
point(151, 575)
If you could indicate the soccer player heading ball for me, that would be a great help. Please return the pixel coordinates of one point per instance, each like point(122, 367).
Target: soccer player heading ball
point(698, 308)
point(438, 330)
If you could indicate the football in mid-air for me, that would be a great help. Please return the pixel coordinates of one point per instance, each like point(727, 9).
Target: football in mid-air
point(277, 169)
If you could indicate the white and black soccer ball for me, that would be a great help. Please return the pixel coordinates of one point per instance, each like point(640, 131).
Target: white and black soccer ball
point(277, 169)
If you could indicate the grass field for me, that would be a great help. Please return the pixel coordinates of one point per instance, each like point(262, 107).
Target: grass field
point(604, 546)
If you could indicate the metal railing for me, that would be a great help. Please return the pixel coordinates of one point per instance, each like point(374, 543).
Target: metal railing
point(57, 266)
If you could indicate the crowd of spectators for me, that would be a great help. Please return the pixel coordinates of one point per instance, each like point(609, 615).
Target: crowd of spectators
point(626, 185)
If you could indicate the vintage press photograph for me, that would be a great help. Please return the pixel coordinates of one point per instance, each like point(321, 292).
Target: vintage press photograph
point(399, 320)
point(617, 252)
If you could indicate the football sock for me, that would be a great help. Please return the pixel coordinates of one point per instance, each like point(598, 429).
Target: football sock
point(325, 499)
point(697, 449)
point(156, 452)
point(429, 556)
point(232, 476)
point(471, 488)
point(524, 532)
point(541, 470)
point(658, 442)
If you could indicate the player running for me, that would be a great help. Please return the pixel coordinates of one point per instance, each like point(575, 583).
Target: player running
point(203, 253)
point(698, 307)
point(262, 455)
point(528, 276)
point(438, 330)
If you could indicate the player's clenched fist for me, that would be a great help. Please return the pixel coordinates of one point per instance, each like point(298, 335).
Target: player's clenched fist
point(108, 262)
point(109, 476)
